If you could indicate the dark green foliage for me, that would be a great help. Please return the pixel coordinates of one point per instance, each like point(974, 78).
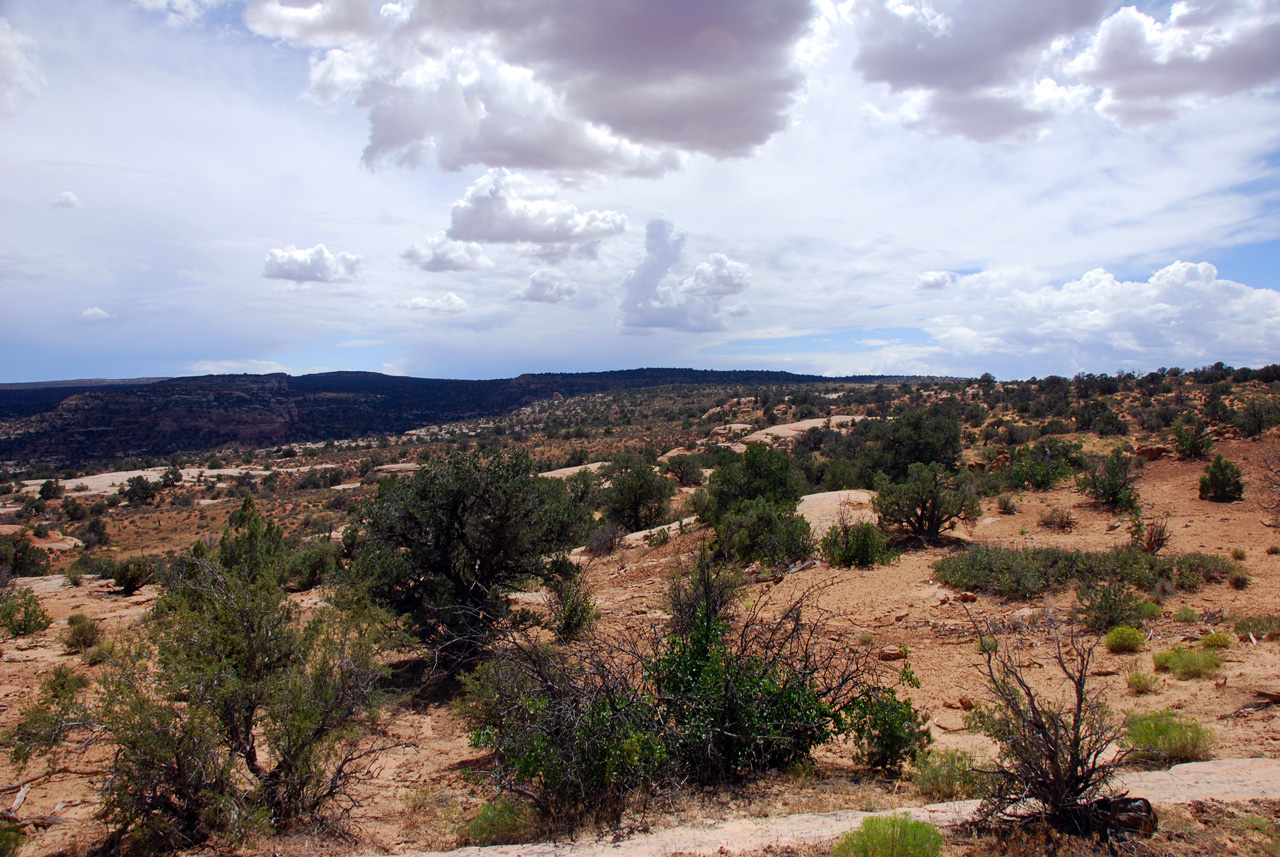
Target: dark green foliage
point(1110, 482)
point(1043, 465)
point(687, 469)
point(50, 489)
point(862, 544)
point(1191, 440)
point(227, 711)
point(888, 731)
point(929, 501)
point(762, 531)
point(133, 573)
point(171, 477)
point(637, 496)
point(139, 490)
point(314, 565)
point(74, 509)
point(763, 473)
point(922, 437)
point(446, 548)
point(1028, 572)
point(573, 606)
point(19, 557)
point(1222, 481)
point(1104, 606)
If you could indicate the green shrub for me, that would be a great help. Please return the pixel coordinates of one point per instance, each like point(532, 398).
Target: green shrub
point(1122, 640)
point(1103, 607)
point(1043, 464)
point(1191, 440)
point(133, 573)
point(761, 473)
point(1058, 519)
point(929, 501)
point(1216, 640)
point(764, 531)
point(573, 606)
point(1142, 683)
point(1185, 614)
point(19, 557)
point(638, 496)
point(687, 469)
point(1148, 610)
point(945, 775)
point(82, 633)
point(890, 836)
point(74, 575)
point(1222, 481)
point(1188, 663)
point(1110, 482)
point(502, 821)
point(1007, 504)
point(21, 613)
point(855, 544)
point(1261, 627)
point(12, 836)
point(888, 731)
point(1165, 738)
point(986, 643)
point(1239, 554)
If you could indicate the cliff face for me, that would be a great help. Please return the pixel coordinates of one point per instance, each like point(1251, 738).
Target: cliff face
point(189, 414)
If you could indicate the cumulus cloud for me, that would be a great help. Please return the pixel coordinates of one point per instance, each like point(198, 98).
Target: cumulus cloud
point(566, 86)
point(1148, 69)
point(1181, 314)
point(442, 254)
point(94, 313)
point(20, 75)
point(240, 367)
point(450, 303)
point(316, 265)
point(546, 285)
point(67, 199)
point(506, 207)
point(934, 280)
point(650, 300)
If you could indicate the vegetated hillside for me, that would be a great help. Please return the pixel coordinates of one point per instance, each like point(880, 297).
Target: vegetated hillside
point(86, 422)
point(27, 400)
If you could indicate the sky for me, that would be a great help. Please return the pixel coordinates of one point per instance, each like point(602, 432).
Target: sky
point(484, 188)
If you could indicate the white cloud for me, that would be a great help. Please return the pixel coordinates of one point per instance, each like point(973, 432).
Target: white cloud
point(316, 265)
point(1180, 315)
point(546, 285)
point(693, 304)
point(1148, 70)
point(935, 280)
point(94, 313)
point(506, 207)
point(441, 254)
point(20, 75)
point(450, 303)
point(67, 199)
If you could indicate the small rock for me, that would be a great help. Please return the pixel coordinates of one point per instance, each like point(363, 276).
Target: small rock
point(966, 598)
point(892, 654)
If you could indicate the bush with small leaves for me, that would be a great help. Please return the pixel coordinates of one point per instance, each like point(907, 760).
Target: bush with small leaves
point(929, 501)
point(573, 606)
point(1007, 504)
point(945, 775)
point(1188, 663)
point(1261, 627)
point(1239, 579)
point(1222, 481)
point(21, 613)
point(890, 836)
point(502, 821)
point(861, 544)
point(19, 557)
point(1216, 640)
point(1185, 614)
point(764, 531)
point(1123, 640)
point(1058, 519)
point(888, 731)
point(1103, 607)
point(1141, 683)
point(1161, 739)
point(82, 633)
point(1110, 482)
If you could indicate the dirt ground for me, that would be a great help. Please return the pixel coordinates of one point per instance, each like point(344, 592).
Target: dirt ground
point(420, 794)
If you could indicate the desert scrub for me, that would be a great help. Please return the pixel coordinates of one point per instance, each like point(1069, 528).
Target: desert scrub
point(1239, 579)
point(1029, 572)
point(1058, 519)
point(82, 633)
point(1188, 663)
point(890, 836)
point(21, 613)
point(1222, 481)
point(1273, 550)
point(862, 544)
point(1216, 640)
point(502, 821)
point(1186, 614)
point(1123, 640)
point(943, 775)
point(1261, 627)
point(1007, 504)
point(1161, 739)
point(1140, 683)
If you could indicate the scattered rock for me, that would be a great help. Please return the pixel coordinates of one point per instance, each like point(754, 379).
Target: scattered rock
point(892, 654)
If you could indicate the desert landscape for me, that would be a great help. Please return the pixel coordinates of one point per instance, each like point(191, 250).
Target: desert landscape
point(426, 788)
